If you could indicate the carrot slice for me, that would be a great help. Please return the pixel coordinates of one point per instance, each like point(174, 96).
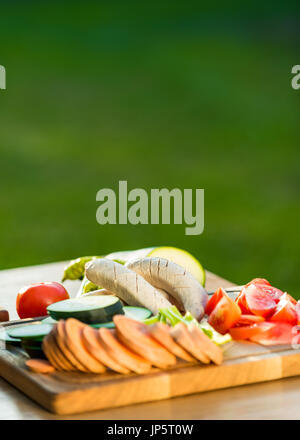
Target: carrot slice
point(183, 337)
point(95, 347)
point(210, 349)
point(161, 333)
point(121, 354)
point(55, 354)
point(136, 336)
point(73, 329)
point(40, 366)
point(58, 355)
point(61, 342)
point(49, 354)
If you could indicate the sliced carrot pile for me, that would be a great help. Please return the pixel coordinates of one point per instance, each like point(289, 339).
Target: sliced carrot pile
point(40, 366)
point(122, 354)
point(131, 347)
point(210, 349)
point(184, 338)
point(94, 344)
point(136, 336)
point(161, 333)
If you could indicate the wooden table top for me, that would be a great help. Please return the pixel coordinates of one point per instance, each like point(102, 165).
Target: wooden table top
point(272, 400)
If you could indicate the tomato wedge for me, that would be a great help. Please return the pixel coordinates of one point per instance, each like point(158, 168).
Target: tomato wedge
point(262, 281)
point(249, 319)
point(245, 332)
point(278, 333)
point(290, 298)
point(213, 300)
point(241, 302)
point(285, 311)
point(264, 286)
point(259, 302)
point(298, 311)
point(225, 314)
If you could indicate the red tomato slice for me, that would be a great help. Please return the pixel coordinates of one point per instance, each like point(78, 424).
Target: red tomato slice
point(225, 314)
point(259, 281)
point(241, 302)
point(249, 319)
point(278, 333)
point(290, 298)
point(266, 287)
point(213, 300)
point(285, 311)
point(258, 301)
point(298, 311)
point(245, 332)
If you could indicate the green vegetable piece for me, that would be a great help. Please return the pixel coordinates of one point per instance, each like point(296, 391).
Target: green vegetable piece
point(215, 336)
point(137, 313)
point(152, 320)
point(172, 315)
point(87, 286)
point(75, 269)
point(90, 287)
point(30, 331)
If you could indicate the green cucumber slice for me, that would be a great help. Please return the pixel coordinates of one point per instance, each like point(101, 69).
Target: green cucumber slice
point(32, 343)
point(34, 352)
point(137, 313)
point(5, 338)
point(104, 324)
point(32, 331)
point(88, 309)
point(49, 320)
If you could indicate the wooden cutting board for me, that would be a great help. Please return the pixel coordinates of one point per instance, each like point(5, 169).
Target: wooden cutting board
point(71, 393)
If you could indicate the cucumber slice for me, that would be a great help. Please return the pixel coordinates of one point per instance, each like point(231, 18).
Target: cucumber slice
point(137, 313)
point(49, 320)
point(34, 352)
point(32, 331)
point(5, 338)
point(88, 309)
point(32, 343)
point(104, 324)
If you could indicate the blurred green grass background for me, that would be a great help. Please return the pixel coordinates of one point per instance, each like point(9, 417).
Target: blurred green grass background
point(161, 95)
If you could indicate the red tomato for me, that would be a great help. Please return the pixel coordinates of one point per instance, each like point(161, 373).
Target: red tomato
point(265, 286)
point(278, 333)
point(225, 314)
point(285, 311)
point(245, 332)
point(33, 300)
point(259, 281)
point(298, 311)
point(258, 301)
point(241, 302)
point(213, 300)
point(249, 319)
point(290, 298)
